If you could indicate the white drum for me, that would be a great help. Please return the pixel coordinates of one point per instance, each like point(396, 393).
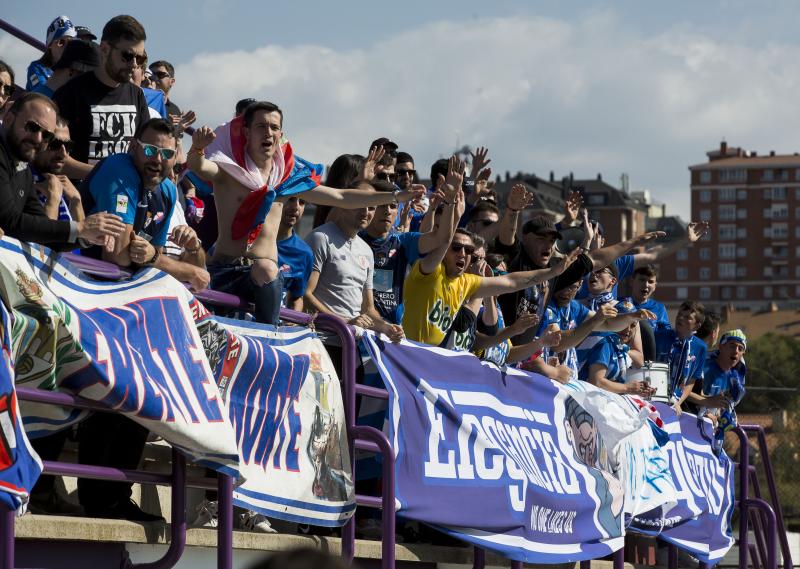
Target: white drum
point(654, 373)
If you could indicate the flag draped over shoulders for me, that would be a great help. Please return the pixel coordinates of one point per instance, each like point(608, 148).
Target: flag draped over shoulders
point(290, 175)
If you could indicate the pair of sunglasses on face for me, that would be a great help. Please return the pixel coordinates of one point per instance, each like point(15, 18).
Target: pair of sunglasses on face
point(151, 151)
point(458, 247)
point(6, 90)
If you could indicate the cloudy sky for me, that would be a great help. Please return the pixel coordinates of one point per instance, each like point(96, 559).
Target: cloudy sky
point(586, 87)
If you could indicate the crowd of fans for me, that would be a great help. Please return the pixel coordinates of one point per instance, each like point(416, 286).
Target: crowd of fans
point(91, 159)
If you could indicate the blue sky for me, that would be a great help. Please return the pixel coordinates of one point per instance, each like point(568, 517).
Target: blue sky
point(639, 87)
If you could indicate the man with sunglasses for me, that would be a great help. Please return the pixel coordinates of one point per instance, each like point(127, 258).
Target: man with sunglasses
point(6, 86)
point(29, 124)
point(103, 107)
point(164, 78)
point(60, 198)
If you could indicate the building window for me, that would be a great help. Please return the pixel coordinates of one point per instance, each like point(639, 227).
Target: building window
point(767, 292)
point(707, 235)
point(705, 196)
point(705, 176)
point(727, 212)
point(767, 175)
point(783, 175)
point(741, 232)
point(779, 193)
point(741, 292)
point(797, 192)
point(727, 251)
point(705, 215)
point(681, 273)
point(797, 174)
point(596, 199)
point(797, 290)
point(768, 271)
point(682, 254)
point(768, 251)
point(780, 211)
point(783, 292)
point(727, 231)
point(682, 292)
point(705, 273)
point(781, 271)
point(741, 213)
point(741, 272)
point(741, 195)
point(766, 213)
point(797, 212)
point(727, 176)
point(727, 270)
point(726, 293)
point(780, 231)
point(797, 272)
point(780, 251)
point(767, 232)
point(727, 194)
point(741, 252)
point(705, 254)
point(705, 293)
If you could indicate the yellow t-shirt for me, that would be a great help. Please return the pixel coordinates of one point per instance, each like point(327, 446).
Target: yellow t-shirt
point(431, 301)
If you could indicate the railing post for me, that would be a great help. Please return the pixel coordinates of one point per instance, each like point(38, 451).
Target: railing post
point(672, 556)
point(225, 521)
point(619, 558)
point(478, 558)
point(744, 484)
point(7, 519)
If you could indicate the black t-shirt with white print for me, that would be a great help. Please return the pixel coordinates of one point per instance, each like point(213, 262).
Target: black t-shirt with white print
point(102, 119)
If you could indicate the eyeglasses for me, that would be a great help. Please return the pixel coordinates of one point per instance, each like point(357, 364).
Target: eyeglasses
point(458, 247)
point(34, 127)
point(161, 74)
point(57, 144)
point(6, 90)
point(386, 176)
point(402, 172)
point(128, 56)
point(151, 150)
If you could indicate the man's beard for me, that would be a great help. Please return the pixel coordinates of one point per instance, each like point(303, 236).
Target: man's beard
point(118, 75)
point(15, 146)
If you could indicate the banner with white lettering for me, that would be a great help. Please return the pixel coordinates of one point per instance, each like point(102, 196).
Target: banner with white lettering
point(700, 521)
point(285, 403)
point(131, 345)
point(502, 459)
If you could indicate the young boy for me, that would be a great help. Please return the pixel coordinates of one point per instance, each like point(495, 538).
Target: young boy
point(683, 351)
point(643, 285)
point(723, 381)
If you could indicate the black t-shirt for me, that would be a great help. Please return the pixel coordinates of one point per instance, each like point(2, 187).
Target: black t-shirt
point(102, 119)
point(461, 335)
point(21, 213)
point(173, 109)
point(532, 300)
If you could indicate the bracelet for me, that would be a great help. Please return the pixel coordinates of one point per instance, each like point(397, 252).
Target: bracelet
point(198, 151)
point(153, 261)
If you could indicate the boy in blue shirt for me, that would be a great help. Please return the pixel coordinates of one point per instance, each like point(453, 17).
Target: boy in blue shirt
point(643, 285)
point(683, 351)
point(294, 255)
point(723, 382)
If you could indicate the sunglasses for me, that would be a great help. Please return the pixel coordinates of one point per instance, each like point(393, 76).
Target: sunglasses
point(162, 74)
point(386, 177)
point(151, 151)
point(57, 144)
point(403, 172)
point(34, 127)
point(7, 90)
point(458, 247)
point(128, 56)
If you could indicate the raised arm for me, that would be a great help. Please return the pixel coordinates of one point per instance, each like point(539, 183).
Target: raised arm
point(196, 159)
point(605, 256)
point(694, 232)
point(518, 199)
point(453, 196)
point(494, 286)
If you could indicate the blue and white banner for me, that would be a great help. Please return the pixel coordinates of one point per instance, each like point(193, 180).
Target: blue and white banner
point(497, 458)
point(700, 521)
point(285, 403)
point(553, 472)
point(131, 345)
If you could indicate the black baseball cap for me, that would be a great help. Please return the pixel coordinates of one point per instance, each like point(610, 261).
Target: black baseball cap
point(541, 225)
point(84, 33)
point(79, 55)
point(387, 144)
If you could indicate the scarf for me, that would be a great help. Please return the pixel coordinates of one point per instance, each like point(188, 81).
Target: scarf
point(678, 357)
point(290, 175)
point(597, 300)
point(621, 355)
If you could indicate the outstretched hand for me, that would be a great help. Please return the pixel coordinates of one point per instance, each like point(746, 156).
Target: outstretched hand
point(572, 206)
point(479, 161)
point(202, 137)
point(519, 198)
point(564, 262)
point(697, 229)
point(372, 160)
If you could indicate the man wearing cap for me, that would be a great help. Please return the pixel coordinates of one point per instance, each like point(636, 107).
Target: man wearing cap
point(59, 33)
point(103, 107)
point(723, 381)
point(85, 34)
point(535, 251)
point(78, 57)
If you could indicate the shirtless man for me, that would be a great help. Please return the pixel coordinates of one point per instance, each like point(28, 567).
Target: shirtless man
point(251, 271)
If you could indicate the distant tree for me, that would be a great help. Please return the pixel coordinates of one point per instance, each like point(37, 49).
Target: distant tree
point(773, 360)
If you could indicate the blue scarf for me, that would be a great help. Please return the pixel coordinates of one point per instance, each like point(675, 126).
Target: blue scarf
point(621, 354)
point(678, 356)
point(598, 300)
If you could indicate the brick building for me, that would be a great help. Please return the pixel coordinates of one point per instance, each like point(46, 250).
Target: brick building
point(751, 256)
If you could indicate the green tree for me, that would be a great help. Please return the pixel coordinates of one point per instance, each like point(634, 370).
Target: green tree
point(772, 360)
